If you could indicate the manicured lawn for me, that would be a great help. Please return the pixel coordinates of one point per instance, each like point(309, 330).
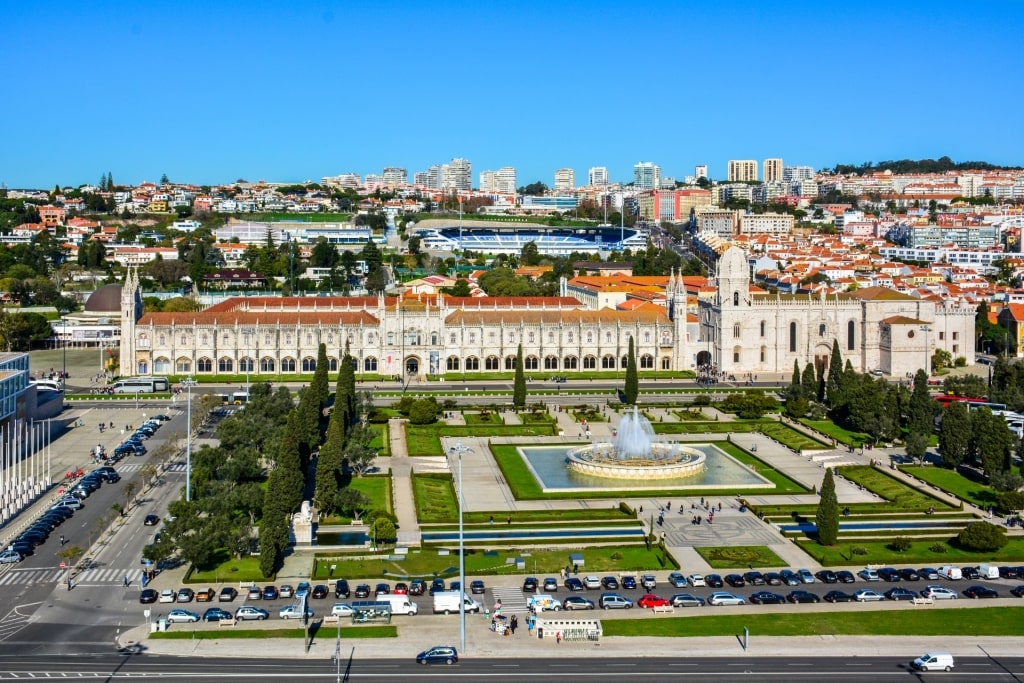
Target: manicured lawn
point(728, 557)
point(989, 621)
point(425, 440)
point(188, 632)
point(919, 554)
point(483, 419)
point(843, 436)
point(902, 497)
point(245, 569)
point(790, 438)
point(536, 418)
point(377, 488)
point(955, 483)
point(435, 498)
point(428, 563)
point(381, 443)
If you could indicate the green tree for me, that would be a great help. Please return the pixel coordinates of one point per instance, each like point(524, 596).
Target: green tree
point(972, 386)
point(519, 384)
point(1010, 501)
point(827, 516)
point(981, 537)
point(424, 411)
point(920, 418)
point(809, 383)
point(991, 441)
point(631, 389)
point(319, 386)
point(954, 434)
point(835, 374)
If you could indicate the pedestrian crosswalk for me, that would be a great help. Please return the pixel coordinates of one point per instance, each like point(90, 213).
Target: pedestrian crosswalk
point(96, 575)
point(512, 599)
point(178, 467)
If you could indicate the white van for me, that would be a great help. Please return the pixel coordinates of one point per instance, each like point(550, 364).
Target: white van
point(400, 604)
point(934, 661)
point(988, 571)
point(446, 602)
point(540, 602)
point(951, 573)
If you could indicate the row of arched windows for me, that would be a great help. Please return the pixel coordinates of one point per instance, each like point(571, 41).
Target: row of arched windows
point(645, 362)
point(851, 333)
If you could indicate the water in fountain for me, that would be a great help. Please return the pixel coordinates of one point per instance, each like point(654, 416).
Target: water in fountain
point(634, 437)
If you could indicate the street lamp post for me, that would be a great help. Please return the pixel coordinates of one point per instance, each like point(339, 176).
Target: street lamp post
point(927, 362)
point(188, 443)
point(457, 450)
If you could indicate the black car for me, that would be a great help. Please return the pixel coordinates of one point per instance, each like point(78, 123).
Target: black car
point(713, 581)
point(766, 598)
point(417, 587)
point(970, 573)
point(889, 574)
point(928, 574)
point(216, 614)
point(802, 596)
point(319, 592)
point(436, 586)
point(610, 583)
point(773, 579)
point(845, 576)
point(32, 537)
point(838, 596)
point(1017, 592)
point(573, 584)
point(341, 588)
point(363, 590)
point(827, 576)
point(23, 548)
point(629, 582)
point(898, 593)
point(789, 577)
point(381, 589)
point(151, 520)
point(755, 578)
point(1008, 573)
point(910, 574)
point(529, 585)
point(735, 580)
point(148, 595)
point(977, 592)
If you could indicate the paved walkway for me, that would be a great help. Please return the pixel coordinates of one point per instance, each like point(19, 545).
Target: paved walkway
point(402, 497)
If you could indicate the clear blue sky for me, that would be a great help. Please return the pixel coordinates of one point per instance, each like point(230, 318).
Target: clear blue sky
point(214, 91)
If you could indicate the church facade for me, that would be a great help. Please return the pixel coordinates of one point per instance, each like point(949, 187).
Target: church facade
point(744, 330)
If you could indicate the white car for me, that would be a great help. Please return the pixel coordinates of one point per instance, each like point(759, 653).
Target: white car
point(722, 598)
point(10, 556)
point(867, 595)
point(293, 612)
point(697, 580)
point(591, 582)
point(181, 615)
point(939, 593)
point(342, 609)
point(168, 595)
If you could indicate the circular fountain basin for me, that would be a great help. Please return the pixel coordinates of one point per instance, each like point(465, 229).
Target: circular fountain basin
point(662, 461)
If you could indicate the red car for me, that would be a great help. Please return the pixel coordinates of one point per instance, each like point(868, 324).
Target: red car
point(651, 600)
point(401, 588)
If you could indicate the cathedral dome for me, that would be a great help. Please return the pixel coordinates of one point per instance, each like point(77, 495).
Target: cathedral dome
point(106, 299)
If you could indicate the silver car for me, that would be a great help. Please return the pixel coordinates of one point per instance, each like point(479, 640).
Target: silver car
point(723, 598)
point(10, 556)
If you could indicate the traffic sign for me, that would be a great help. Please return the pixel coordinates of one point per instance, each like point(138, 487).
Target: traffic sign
point(63, 565)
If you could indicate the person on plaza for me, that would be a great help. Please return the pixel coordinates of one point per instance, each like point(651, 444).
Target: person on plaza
point(513, 624)
point(126, 581)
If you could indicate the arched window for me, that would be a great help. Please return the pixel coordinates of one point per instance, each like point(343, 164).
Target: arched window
point(764, 353)
point(269, 339)
point(354, 362)
point(183, 366)
point(736, 354)
point(204, 365)
point(625, 362)
point(266, 364)
point(590, 337)
point(762, 328)
point(204, 339)
point(287, 365)
point(433, 338)
point(607, 362)
point(472, 363)
point(570, 363)
point(452, 363)
point(736, 331)
point(225, 365)
point(608, 337)
point(370, 364)
point(666, 363)
point(550, 362)
point(309, 364)
point(309, 339)
point(589, 363)
point(332, 364)
point(530, 363)
point(510, 362)
point(735, 298)
point(391, 338)
point(143, 367)
point(163, 339)
point(792, 337)
point(551, 337)
point(162, 365)
point(851, 338)
point(647, 362)
point(821, 330)
point(647, 337)
point(492, 363)
point(246, 365)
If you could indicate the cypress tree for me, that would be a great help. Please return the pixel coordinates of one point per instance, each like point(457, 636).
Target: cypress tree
point(795, 387)
point(519, 386)
point(345, 399)
point(827, 516)
point(810, 387)
point(320, 384)
point(632, 388)
point(954, 434)
point(819, 369)
point(835, 373)
point(919, 417)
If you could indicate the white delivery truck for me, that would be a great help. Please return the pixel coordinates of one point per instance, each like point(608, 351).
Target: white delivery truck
point(950, 573)
point(934, 661)
point(400, 604)
point(540, 602)
point(446, 602)
point(988, 571)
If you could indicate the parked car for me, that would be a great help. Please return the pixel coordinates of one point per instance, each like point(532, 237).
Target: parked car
point(977, 592)
point(614, 601)
point(402, 588)
point(649, 600)
point(254, 593)
point(686, 600)
point(148, 595)
point(628, 582)
point(713, 581)
point(227, 594)
point(890, 574)
point(577, 602)
point(754, 578)
point(438, 586)
point(970, 573)
point(205, 595)
point(185, 595)
point(476, 587)
point(802, 596)
point(1008, 573)
point(766, 598)
point(735, 580)
point(286, 591)
point(250, 613)
point(181, 615)
point(591, 582)
point(573, 584)
point(294, 612)
point(789, 577)
point(382, 589)
point(319, 592)
point(900, 593)
point(270, 593)
point(928, 574)
point(805, 575)
point(440, 654)
point(826, 576)
point(722, 598)
point(939, 593)
point(838, 596)
point(868, 574)
point(168, 595)
point(342, 609)
point(910, 574)
point(773, 578)
point(417, 587)
point(867, 595)
point(362, 591)
point(845, 576)
point(341, 588)
point(1017, 591)
point(529, 585)
point(697, 580)
point(550, 584)
point(648, 582)
point(610, 583)
point(217, 614)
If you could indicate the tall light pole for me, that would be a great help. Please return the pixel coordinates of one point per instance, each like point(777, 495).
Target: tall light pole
point(188, 443)
point(456, 451)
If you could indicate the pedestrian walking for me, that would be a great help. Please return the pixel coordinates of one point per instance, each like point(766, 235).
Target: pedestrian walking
point(558, 637)
point(62, 540)
point(69, 583)
point(513, 623)
point(126, 581)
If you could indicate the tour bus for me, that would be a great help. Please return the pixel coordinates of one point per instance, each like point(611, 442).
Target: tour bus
point(47, 384)
point(140, 385)
point(240, 398)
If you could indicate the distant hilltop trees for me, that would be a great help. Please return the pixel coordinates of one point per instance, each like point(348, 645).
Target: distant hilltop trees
point(908, 166)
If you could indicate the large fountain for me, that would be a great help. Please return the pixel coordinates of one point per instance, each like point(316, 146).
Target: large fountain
point(635, 454)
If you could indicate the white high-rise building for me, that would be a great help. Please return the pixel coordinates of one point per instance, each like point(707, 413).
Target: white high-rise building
point(565, 180)
point(771, 170)
point(429, 179)
point(458, 175)
point(488, 184)
point(700, 171)
point(646, 175)
point(505, 180)
point(742, 170)
point(598, 175)
point(794, 174)
point(394, 176)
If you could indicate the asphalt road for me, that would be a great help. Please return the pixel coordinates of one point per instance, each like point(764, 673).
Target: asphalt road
point(132, 666)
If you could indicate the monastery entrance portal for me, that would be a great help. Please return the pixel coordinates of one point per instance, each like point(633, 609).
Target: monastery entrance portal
point(412, 367)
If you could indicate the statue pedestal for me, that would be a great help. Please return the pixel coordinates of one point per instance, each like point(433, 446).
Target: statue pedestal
point(302, 525)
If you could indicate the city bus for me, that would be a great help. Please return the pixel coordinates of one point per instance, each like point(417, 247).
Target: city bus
point(240, 397)
point(140, 385)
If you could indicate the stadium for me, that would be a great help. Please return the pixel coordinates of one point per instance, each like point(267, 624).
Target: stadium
point(556, 241)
